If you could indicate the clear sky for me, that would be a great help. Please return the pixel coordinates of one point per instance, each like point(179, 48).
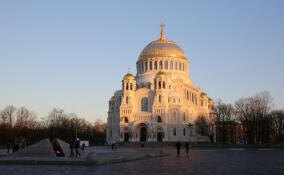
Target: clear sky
point(73, 54)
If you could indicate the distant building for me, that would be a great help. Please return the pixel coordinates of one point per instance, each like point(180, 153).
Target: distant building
point(229, 132)
point(161, 101)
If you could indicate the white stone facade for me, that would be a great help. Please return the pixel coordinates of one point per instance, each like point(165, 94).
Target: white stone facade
point(161, 102)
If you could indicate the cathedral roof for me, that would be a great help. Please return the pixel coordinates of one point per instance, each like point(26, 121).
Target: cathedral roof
point(162, 48)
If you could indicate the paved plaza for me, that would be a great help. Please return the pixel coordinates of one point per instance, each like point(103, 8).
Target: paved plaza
point(200, 162)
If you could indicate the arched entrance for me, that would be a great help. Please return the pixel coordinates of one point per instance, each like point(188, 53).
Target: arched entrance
point(126, 137)
point(143, 134)
point(160, 134)
point(126, 134)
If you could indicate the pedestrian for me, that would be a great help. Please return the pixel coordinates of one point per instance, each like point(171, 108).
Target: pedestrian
point(83, 146)
point(178, 144)
point(8, 147)
point(112, 145)
point(187, 148)
point(71, 145)
point(77, 146)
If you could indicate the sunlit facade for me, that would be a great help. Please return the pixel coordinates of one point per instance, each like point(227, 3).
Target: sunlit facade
point(161, 102)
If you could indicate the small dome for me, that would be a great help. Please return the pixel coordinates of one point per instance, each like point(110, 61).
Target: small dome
point(113, 98)
point(161, 75)
point(128, 76)
point(202, 94)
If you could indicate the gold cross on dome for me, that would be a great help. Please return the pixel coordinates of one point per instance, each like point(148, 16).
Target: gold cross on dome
point(128, 70)
point(162, 25)
point(162, 31)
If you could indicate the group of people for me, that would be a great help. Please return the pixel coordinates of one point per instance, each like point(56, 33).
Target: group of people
point(186, 145)
point(75, 144)
point(19, 143)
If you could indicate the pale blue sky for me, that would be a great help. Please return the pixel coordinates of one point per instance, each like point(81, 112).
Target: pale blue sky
point(73, 54)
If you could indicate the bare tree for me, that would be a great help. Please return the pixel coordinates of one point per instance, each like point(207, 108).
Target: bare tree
point(202, 126)
point(25, 118)
point(278, 123)
point(225, 123)
point(7, 115)
point(253, 113)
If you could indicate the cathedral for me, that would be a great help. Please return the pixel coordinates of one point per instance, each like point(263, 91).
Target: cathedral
point(160, 103)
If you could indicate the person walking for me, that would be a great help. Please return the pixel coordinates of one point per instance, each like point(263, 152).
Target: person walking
point(71, 145)
point(83, 146)
point(77, 146)
point(178, 144)
point(187, 148)
point(112, 145)
point(8, 147)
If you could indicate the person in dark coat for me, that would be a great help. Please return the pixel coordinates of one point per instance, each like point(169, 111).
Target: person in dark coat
point(71, 145)
point(8, 147)
point(187, 148)
point(77, 146)
point(83, 146)
point(178, 144)
point(112, 145)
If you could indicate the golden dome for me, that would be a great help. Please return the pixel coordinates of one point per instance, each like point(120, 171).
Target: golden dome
point(203, 94)
point(162, 48)
point(128, 76)
point(113, 98)
point(161, 75)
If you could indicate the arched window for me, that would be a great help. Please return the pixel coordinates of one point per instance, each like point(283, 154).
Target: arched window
point(175, 132)
point(131, 86)
point(159, 119)
point(142, 66)
point(187, 95)
point(166, 65)
point(184, 116)
point(164, 85)
point(126, 86)
point(144, 104)
point(161, 65)
point(151, 65)
point(174, 116)
point(146, 66)
point(176, 66)
point(159, 84)
point(126, 100)
point(160, 99)
point(155, 66)
point(184, 131)
point(171, 65)
point(125, 120)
